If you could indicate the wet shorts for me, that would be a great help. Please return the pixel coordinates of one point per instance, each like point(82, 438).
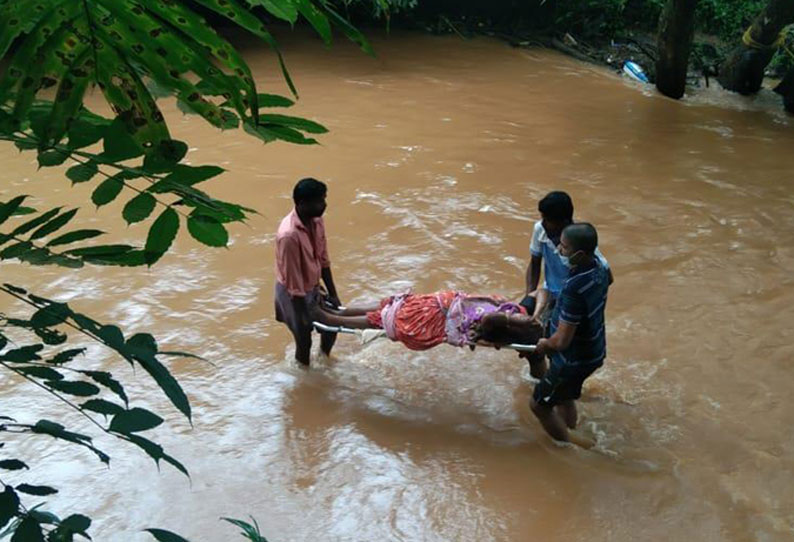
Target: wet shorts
point(563, 381)
point(285, 312)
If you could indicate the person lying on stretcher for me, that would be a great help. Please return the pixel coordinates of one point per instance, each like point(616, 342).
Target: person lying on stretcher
point(423, 321)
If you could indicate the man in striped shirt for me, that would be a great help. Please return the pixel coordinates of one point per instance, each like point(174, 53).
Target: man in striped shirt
point(577, 343)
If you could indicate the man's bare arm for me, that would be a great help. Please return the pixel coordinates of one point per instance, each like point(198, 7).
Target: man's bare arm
point(533, 273)
point(559, 341)
point(328, 279)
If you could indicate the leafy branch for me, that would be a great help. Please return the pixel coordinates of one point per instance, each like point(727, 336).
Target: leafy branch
point(45, 369)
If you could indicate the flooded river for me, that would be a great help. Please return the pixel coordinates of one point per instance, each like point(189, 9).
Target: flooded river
point(438, 153)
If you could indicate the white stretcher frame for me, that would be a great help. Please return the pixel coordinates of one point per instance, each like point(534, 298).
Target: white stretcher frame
point(319, 326)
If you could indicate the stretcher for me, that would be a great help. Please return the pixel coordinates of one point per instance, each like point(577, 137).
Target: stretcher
point(342, 329)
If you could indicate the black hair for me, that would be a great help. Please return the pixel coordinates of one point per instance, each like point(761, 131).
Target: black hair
point(506, 334)
point(556, 206)
point(308, 189)
point(582, 236)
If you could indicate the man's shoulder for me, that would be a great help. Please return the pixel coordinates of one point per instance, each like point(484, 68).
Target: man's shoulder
point(538, 230)
point(572, 284)
point(286, 227)
point(538, 239)
point(601, 258)
point(575, 282)
point(287, 234)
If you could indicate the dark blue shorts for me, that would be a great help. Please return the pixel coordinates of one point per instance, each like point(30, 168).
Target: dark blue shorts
point(563, 381)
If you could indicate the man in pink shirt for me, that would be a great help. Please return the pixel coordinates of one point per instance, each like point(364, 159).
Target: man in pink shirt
point(301, 261)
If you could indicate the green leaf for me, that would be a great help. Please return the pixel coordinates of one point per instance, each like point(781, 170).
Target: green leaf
point(9, 505)
point(66, 356)
point(74, 236)
point(283, 10)
point(41, 491)
point(130, 258)
point(101, 250)
point(163, 158)
point(50, 315)
point(36, 222)
point(107, 191)
point(69, 96)
point(82, 172)
point(50, 336)
point(230, 121)
point(25, 145)
point(142, 347)
point(293, 122)
point(76, 523)
point(41, 372)
point(24, 211)
point(106, 379)
point(53, 225)
point(112, 336)
point(44, 56)
point(51, 158)
point(316, 19)
point(222, 212)
point(86, 130)
point(352, 33)
point(135, 420)
point(29, 530)
point(161, 535)
point(16, 250)
point(85, 323)
point(102, 406)
point(182, 355)
point(139, 208)
point(44, 517)
point(7, 209)
point(73, 387)
point(274, 100)
point(161, 235)
point(23, 354)
point(286, 134)
point(249, 531)
point(155, 451)
point(15, 289)
point(12, 464)
point(56, 430)
point(208, 230)
point(118, 144)
point(190, 175)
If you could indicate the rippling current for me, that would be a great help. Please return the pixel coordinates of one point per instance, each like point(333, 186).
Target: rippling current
point(438, 152)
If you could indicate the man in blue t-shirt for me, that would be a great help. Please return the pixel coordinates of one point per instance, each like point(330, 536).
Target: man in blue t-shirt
point(556, 213)
point(577, 343)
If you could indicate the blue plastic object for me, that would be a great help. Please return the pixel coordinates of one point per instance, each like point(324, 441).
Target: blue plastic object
point(633, 70)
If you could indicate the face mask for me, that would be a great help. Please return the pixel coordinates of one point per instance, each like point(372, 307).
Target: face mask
point(566, 260)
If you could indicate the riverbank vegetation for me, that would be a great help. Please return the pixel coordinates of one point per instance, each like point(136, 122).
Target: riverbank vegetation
point(692, 42)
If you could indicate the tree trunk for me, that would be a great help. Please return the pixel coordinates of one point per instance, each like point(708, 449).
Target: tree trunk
point(743, 70)
point(786, 89)
point(674, 41)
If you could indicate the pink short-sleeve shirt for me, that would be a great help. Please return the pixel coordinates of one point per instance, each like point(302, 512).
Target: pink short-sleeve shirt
point(301, 254)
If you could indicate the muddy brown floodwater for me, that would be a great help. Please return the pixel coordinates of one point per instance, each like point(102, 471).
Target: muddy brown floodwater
point(438, 152)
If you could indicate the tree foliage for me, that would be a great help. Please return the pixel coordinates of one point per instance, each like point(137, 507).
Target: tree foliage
point(36, 349)
point(135, 52)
